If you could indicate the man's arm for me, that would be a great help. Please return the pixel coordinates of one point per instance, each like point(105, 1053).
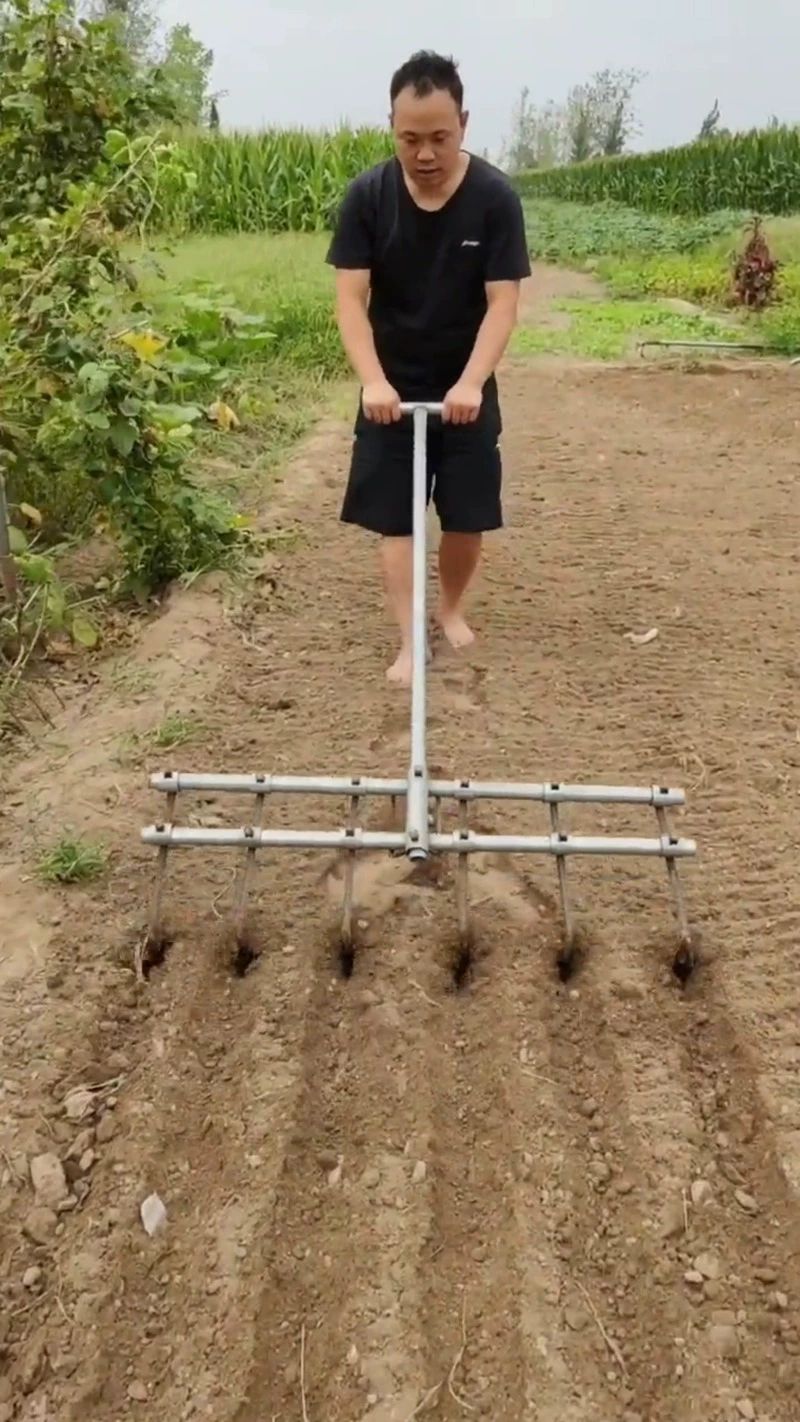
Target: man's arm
point(495, 332)
point(507, 263)
point(351, 255)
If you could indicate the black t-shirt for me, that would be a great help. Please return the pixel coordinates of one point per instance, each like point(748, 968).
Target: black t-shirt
point(428, 269)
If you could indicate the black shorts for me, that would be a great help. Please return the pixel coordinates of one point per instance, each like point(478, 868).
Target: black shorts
point(464, 475)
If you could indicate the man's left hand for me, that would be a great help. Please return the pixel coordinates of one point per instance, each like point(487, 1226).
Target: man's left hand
point(462, 404)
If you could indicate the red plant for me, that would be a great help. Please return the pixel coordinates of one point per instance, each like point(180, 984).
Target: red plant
point(755, 271)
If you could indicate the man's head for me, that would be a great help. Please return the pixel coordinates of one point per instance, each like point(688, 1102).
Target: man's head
point(428, 117)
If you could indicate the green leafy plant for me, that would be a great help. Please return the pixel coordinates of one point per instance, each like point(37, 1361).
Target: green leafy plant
point(73, 860)
point(80, 164)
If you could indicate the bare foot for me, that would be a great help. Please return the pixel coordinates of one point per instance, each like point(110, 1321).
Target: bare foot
point(458, 633)
point(399, 673)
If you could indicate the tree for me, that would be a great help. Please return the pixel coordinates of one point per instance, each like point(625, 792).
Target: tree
point(213, 114)
point(612, 116)
point(185, 69)
point(538, 136)
point(137, 22)
point(579, 124)
point(710, 123)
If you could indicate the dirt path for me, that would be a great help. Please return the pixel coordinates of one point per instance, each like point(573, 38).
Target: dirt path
point(524, 1202)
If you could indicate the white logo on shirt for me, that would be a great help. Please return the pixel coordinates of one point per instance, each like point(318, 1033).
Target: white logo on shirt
point(469, 243)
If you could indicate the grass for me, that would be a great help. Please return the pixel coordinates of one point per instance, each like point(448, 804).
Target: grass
point(283, 278)
point(608, 330)
point(643, 256)
point(73, 861)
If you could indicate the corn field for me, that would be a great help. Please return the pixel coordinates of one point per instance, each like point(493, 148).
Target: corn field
point(757, 171)
point(273, 181)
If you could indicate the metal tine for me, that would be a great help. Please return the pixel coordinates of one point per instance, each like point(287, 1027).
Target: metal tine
point(462, 878)
point(155, 926)
point(566, 907)
point(349, 878)
point(248, 867)
point(676, 889)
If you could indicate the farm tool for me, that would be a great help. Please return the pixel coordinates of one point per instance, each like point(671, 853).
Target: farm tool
point(422, 836)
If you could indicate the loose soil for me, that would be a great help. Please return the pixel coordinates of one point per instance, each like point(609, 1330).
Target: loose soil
point(524, 1201)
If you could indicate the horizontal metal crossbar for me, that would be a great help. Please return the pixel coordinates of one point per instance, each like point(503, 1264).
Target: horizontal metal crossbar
point(549, 793)
point(174, 837)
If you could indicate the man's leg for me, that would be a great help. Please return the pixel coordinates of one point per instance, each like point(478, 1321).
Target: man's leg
point(378, 498)
point(459, 555)
point(398, 575)
point(468, 500)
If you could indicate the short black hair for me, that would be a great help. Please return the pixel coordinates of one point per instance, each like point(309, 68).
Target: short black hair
point(425, 72)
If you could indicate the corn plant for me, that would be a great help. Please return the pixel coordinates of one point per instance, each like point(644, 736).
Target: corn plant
point(275, 181)
point(757, 171)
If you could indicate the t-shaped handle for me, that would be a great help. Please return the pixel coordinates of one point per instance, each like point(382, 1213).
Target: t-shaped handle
point(431, 407)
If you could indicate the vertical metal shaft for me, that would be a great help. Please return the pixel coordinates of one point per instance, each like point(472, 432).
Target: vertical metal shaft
point(245, 878)
point(676, 888)
point(462, 878)
point(417, 831)
point(154, 929)
point(349, 875)
point(561, 864)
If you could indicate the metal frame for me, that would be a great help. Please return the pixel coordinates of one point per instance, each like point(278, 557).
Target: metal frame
point(422, 836)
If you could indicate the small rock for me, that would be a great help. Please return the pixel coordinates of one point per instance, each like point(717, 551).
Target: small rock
point(693, 1276)
point(288, 950)
point(32, 1277)
point(701, 1193)
point(137, 1392)
point(153, 1214)
point(724, 1318)
point(746, 1201)
point(82, 1142)
point(576, 1319)
point(335, 1176)
point(745, 1409)
point(588, 1108)
point(766, 1276)
point(371, 1178)
point(80, 1105)
point(673, 1220)
point(725, 1341)
point(48, 1180)
point(781, 1300)
point(86, 1161)
point(328, 1159)
point(624, 1185)
point(420, 1173)
point(39, 1224)
point(106, 1129)
point(712, 1290)
point(352, 1355)
point(708, 1265)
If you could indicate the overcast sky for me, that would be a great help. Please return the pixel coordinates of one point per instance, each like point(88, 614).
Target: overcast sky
point(315, 62)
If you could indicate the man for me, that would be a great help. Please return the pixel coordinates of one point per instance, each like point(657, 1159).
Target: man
point(429, 252)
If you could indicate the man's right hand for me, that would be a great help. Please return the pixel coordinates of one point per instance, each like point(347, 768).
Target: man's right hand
point(381, 403)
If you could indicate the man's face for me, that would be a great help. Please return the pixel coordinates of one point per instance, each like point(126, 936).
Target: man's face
point(428, 134)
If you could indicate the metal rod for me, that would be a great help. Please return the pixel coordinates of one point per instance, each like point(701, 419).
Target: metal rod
point(349, 876)
point(462, 877)
point(363, 785)
point(243, 888)
point(417, 829)
point(180, 838)
point(561, 866)
point(716, 346)
point(154, 930)
point(676, 888)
